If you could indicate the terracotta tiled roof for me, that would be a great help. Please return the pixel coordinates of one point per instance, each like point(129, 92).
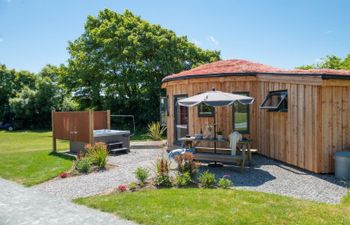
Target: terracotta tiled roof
point(238, 66)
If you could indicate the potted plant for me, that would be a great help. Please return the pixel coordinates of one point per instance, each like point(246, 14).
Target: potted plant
point(219, 135)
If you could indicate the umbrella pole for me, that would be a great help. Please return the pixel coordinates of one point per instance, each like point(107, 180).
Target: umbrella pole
point(215, 131)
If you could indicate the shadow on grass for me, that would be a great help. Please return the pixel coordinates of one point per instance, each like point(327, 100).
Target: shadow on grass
point(62, 155)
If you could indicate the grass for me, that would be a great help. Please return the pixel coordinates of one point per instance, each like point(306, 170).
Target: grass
point(216, 206)
point(25, 157)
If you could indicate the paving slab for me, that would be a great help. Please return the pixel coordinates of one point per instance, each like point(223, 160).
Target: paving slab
point(23, 206)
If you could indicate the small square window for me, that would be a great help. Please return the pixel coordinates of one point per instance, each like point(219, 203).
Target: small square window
point(276, 101)
point(205, 110)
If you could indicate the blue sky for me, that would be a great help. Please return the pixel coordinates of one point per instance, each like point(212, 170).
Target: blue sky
point(280, 33)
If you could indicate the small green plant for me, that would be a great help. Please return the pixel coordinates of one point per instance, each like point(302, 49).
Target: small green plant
point(132, 186)
point(97, 154)
point(162, 173)
point(162, 181)
point(155, 131)
point(141, 175)
point(83, 165)
point(219, 132)
point(183, 180)
point(224, 182)
point(207, 179)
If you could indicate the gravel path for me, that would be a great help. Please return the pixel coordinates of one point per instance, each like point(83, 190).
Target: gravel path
point(98, 182)
point(22, 206)
point(271, 176)
point(266, 175)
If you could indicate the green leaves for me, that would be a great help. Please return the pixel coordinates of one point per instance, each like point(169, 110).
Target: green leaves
point(125, 58)
point(330, 62)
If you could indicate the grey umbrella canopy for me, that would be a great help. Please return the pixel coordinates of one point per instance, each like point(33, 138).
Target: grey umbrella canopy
point(215, 98)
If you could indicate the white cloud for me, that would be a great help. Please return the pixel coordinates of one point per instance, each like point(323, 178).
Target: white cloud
point(213, 40)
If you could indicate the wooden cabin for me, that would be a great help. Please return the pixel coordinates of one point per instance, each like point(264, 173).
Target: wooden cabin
point(300, 117)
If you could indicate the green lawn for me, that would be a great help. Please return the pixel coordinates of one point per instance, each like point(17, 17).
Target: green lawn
point(216, 206)
point(25, 157)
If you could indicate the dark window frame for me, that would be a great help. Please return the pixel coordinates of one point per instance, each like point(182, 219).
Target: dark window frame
point(247, 131)
point(166, 108)
point(282, 106)
point(175, 97)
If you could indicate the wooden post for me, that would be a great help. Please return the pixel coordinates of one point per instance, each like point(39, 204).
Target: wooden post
point(54, 145)
point(91, 126)
point(108, 119)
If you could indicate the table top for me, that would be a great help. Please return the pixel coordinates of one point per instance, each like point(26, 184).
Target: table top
point(212, 140)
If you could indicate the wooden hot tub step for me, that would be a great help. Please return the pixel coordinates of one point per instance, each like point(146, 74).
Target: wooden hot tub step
point(115, 150)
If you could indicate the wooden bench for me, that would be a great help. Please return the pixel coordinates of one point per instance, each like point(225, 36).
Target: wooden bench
point(222, 158)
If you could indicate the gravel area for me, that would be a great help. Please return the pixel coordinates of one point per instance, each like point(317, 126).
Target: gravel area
point(271, 176)
point(266, 175)
point(21, 206)
point(98, 182)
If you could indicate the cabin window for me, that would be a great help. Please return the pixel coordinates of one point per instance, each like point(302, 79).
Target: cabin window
point(205, 110)
point(164, 112)
point(241, 116)
point(276, 101)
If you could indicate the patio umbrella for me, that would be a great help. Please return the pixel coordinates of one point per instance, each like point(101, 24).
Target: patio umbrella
point(215, 98)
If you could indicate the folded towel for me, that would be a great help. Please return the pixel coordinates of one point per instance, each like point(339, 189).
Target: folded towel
point(234, 138)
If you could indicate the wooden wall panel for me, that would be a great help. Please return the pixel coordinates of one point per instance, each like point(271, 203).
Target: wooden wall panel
point(316, 125)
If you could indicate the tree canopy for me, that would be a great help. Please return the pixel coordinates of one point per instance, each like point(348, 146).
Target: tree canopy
point(117, 63)
point(330, 62)
point(120, 60)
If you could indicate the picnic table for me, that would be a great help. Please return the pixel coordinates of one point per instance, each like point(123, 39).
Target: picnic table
point(225, 153)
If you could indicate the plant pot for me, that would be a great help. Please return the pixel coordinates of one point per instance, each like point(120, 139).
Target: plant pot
point(220, 137)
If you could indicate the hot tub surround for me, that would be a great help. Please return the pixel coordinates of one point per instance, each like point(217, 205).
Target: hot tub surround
point(116, 140)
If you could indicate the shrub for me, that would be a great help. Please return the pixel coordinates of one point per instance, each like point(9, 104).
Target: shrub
point(162, 181)
point(162, 173)
point(132, 186)
point(183, 180)
point(141, 174)
point(97, 154)
point(155, 131)
point(122, 187)
point(224, 182)
point(63, 174)
point(207, 179)
point(83, 165)
point(185, 164)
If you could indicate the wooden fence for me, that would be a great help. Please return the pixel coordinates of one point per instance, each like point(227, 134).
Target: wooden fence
point(78, 126)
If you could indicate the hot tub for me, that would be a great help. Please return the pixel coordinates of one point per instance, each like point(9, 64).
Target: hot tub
point(117, 140)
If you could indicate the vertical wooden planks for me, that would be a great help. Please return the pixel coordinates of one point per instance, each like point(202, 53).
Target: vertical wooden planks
point(301, 131)
point(346, 117)
point(308, 124)
point(294, 124)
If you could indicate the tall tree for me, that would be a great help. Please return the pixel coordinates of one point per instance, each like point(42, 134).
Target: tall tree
point(120, 60)
point(330, 62)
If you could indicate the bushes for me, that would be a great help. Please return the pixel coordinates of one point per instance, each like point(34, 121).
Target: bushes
point(97, 154)
point(83, 165)
point(185, 164)
point(183, 180)
point(155, 131)
point(96, 157)
point(162, 173)
point(132, 186)
point(224, 182)
point(207, 179)
point(141, 175)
